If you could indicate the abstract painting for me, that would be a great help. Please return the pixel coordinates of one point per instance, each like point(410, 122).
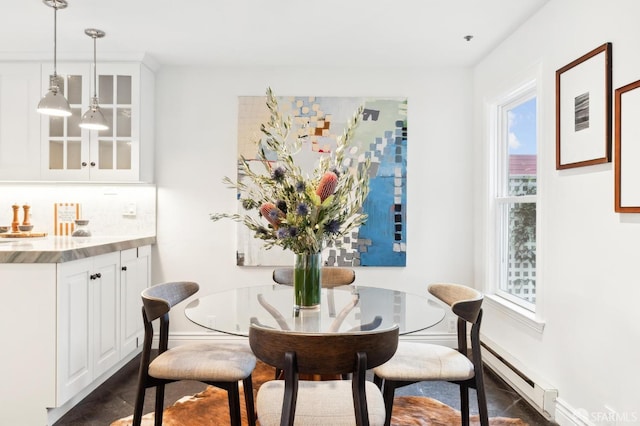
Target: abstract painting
point(381, 136)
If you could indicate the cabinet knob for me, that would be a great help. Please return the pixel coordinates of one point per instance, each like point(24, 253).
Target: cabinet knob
point(124, 268)
point(95, 276)
point(84, 164)
point(92, 276)
point(98, 275)
point(93, 164)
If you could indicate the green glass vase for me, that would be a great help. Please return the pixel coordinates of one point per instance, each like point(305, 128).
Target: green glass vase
point(307, 280)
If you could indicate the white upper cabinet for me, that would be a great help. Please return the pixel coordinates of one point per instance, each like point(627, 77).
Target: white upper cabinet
point(20, 92)
point(125, 94)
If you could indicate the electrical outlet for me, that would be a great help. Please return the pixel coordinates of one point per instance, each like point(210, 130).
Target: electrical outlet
point(130, 209)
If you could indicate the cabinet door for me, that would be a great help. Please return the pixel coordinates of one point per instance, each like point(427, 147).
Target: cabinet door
point(74, 351)
point(105, 280)
point(19, 121)
point(135, 277)
point(115, 151)
point(65, 146)
point(88, 321)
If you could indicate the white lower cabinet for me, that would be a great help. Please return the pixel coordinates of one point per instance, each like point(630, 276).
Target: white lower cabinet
point(99, 315)
point(88, 334)
point(134, 278)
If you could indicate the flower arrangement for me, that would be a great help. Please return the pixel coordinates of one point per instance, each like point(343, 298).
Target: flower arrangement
point(299, 212)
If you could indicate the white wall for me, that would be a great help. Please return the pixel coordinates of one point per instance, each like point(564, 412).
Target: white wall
point(196, 132)
point(587, 254)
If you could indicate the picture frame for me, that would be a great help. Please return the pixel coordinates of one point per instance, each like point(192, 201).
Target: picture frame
point(627, 136)
point(583, 110)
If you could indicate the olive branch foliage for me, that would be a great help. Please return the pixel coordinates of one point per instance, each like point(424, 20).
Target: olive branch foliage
point(306, 224)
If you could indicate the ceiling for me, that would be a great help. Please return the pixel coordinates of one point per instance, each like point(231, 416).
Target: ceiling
point(384, 33)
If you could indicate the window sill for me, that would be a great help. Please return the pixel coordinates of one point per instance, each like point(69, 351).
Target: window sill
point(516, 312)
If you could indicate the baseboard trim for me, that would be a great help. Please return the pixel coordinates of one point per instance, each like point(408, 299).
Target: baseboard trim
point(566, 415)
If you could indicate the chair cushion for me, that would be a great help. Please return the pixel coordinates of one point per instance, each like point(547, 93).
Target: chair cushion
point(204, 362)
point(327, 402)
point(424, 362)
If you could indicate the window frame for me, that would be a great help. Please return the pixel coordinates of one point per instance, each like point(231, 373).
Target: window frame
point(499, 199)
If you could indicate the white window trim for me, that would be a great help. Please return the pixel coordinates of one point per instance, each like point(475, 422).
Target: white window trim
point(530, 318)
point(516, 312)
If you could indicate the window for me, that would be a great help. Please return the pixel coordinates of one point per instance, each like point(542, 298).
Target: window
point(515, 196)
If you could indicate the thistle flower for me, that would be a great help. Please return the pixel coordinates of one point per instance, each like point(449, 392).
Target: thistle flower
point(300, 186)
point(302, 209)
point(282, 205)
point(332, 226)
point(278, 174)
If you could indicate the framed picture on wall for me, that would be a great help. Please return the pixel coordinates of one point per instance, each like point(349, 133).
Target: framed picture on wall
point(583, 110)
point(627, 149)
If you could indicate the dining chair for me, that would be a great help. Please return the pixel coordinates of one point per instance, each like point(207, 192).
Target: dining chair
point(419, 362)
point(328, 402)
point(219, 365)
point(332, 276)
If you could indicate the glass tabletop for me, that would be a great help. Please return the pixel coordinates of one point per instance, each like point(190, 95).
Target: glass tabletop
point(342, 309)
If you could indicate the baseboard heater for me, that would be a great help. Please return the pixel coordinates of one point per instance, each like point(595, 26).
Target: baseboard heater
point(539, 395)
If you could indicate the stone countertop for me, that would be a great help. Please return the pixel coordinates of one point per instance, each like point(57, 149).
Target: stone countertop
point(54, 249)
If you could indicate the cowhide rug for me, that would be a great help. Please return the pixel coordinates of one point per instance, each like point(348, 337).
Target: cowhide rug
point(210, 407)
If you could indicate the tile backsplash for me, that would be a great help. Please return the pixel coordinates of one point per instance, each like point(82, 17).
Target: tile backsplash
point(112, 209)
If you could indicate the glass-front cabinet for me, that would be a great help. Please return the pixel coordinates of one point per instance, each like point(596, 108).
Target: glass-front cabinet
point(72, 153)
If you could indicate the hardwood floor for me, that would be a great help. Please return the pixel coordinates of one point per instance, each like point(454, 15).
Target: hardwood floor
point(115, 398)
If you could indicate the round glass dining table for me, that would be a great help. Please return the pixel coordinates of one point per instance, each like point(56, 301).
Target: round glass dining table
point(342, 309)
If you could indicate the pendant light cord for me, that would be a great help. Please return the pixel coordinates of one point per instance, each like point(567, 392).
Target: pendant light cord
point(95, 73)
point(55, 41)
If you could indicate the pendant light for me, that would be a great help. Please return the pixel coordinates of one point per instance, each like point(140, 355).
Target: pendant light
point(93, 119)
point(54, 103)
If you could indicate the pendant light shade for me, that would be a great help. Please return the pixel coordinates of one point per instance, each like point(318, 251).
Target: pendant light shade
point(93, 119)
point(54, 103)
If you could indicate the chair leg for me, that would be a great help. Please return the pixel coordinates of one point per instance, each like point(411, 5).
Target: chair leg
point(137, 411)
point(247, 385)
point(388, 393)
point(464, 404)
point(234, 404)
point(482, 399)
point(159, 404)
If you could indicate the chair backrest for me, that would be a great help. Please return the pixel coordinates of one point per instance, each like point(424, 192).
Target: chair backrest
point(323, 353)
point(332, 276)
point(160, 298)
point(297, 353)
point(464, 301)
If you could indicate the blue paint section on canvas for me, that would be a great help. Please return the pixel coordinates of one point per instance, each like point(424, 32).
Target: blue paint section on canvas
point(385, 230)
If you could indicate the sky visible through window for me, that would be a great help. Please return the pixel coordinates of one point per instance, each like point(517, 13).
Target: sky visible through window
point(522, 129)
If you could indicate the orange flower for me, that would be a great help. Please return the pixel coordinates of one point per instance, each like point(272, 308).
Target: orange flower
point(273, 214)
point(327, 185)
